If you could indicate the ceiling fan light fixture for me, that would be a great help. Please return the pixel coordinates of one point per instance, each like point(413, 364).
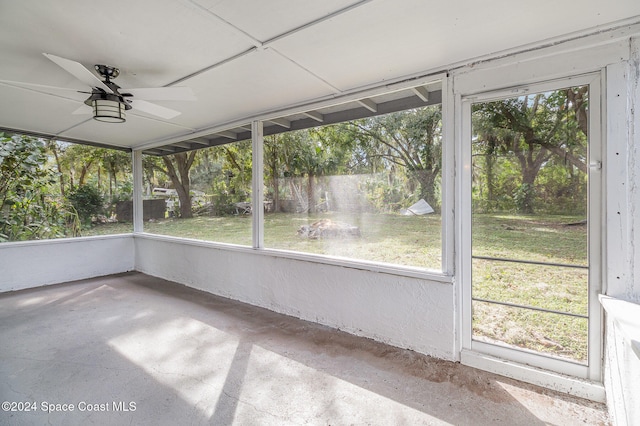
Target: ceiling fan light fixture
point(109, 109)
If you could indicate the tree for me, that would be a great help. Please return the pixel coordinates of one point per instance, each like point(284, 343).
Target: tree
point(534, 129)
point(177, 167)
point(409, 140)
point(272, 165)
point(280, 160)
point(114, 162)
point(310, 154)
point(26, 211)
point(52, 146)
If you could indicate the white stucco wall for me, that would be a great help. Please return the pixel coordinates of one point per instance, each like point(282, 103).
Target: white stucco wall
point(405, 312)
point(37, 263)
point(622, 327)
point(622, 359)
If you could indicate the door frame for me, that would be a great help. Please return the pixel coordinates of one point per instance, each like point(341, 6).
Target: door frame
point(477, 353)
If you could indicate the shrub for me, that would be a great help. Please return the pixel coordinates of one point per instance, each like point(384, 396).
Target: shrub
point(26, 210)
point(87, 201)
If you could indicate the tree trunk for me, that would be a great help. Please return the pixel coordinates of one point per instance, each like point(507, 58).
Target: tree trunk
point(426, 179)
point(276, 193)
point(579, 102)
point(491, 184)
point(110, 186)
point(83, 173)
point(490, 162)
point(528, 181)
point(530, 162)
point(273, 163)
point(311, 196)
point(52, 146)
point(179, 176)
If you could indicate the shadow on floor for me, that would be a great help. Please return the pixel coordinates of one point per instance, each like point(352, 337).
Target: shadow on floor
point(185, 356)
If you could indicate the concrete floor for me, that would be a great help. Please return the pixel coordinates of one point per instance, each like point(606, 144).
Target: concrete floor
point(158, 353)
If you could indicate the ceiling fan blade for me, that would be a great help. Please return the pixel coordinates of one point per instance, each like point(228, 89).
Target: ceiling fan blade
point(37, 86)
point(65, 93)
point(163, 94)
point(153, 109)
point(78, 71)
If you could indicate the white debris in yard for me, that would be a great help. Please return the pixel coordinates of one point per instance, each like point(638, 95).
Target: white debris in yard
point(418, 209)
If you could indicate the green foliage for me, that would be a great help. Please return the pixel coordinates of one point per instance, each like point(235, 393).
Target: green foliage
point(388, 196)
point(400, 152)
point(123, 192)
point(530, 153)
point(406, 144)
point(26, 211)
point(523, 197)
point(87, 201)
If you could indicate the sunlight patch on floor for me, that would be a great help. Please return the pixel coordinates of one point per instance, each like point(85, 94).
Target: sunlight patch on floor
point(184, 354)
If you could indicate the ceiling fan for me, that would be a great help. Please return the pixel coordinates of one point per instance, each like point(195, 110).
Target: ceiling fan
point(107, 100)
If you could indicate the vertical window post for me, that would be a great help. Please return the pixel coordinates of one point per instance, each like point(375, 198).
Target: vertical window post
point(257, 193)
point(138, 222)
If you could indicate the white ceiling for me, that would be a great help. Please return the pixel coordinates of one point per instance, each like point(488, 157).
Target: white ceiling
point(245, 58)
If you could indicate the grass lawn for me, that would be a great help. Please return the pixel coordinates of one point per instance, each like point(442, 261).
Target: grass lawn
point(533, 238)
point(416, 241)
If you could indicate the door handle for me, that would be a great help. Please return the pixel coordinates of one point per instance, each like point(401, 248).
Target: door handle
point(595, 165)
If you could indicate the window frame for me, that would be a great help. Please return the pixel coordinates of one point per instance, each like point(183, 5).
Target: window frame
point(444, 275)
point(472, 351)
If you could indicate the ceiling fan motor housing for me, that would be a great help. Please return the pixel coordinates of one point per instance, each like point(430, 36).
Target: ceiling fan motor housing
point(107, 72)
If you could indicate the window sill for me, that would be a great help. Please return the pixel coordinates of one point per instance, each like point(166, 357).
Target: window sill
point(626, 316)
point(67, 240)
point(398, 270)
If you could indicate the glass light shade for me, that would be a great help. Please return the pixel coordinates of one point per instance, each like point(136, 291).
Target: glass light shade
point(109, 111)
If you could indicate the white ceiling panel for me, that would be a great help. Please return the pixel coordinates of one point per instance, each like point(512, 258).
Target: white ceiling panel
point(29, 110)
point(257, 82)
point(136, 130)
point(244, 58)
point(362, 46)
point(264, 20)
point(153, 42)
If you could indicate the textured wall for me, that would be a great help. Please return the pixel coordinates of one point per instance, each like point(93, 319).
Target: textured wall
point(622, 364)
point(405, 312)
point(37, 263)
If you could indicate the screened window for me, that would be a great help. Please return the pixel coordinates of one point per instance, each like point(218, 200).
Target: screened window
point(367, 189)
point(203, 194)
point(51, 189)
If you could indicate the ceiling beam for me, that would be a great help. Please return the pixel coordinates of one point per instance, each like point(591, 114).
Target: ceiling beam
point(229, 135)
point(421, 92)
point(368, 104)
point(315, 115)
point(282, 122)
point(166, 148)
point(186, 145)
point(356, 113)
point(315, 22)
